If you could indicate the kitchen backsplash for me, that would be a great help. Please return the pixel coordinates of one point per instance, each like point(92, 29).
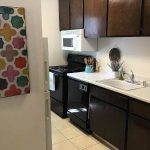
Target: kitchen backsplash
point(135, 53)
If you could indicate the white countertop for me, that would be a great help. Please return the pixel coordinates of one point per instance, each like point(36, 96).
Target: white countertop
point(142, 94)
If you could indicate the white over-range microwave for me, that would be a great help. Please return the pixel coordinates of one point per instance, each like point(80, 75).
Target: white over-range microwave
point(74, 40)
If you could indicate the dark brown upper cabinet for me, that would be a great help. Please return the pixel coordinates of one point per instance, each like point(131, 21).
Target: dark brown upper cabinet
point(95, 18)
point(70, 14)
point(76, 14)
point(64, 16)
point(124, 17)
point(146, 18)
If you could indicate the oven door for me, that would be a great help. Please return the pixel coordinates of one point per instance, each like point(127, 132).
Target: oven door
point(59, 96)
point(58, 93)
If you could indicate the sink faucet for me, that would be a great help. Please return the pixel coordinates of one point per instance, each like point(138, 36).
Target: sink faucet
point(131, 76)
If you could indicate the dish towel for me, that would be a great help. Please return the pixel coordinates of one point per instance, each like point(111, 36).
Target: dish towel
point(52, 81)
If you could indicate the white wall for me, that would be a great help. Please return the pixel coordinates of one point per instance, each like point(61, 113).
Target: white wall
point(50, 26)
point(135, 53)
point(22, 125)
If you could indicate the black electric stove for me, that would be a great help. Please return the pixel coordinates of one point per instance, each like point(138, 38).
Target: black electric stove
point(59, 96)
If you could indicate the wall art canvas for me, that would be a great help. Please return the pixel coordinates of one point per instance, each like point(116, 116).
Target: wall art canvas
point(14, 72)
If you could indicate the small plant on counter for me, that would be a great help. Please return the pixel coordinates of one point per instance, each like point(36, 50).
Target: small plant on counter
point(115, 66)
point(115, 56)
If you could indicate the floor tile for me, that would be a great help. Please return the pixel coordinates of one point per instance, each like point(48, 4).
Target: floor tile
point(66, 145)
point(97, 147)
point(57, 137)
point(66, 136)
point(53, 115)
point(83, 141)
point(71, 132)
point(54, 130)
point(60, 124)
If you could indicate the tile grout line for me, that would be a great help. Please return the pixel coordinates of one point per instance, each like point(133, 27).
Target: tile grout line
point(74, 144)
point(65, 141)
point(60, 142)
point(61, 135)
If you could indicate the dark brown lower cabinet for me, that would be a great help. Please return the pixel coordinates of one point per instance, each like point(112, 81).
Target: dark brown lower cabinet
point(138, 133)
point(108, 122)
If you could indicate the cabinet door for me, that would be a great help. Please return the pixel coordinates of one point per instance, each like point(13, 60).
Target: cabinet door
point(138, 133)
point(124, 17)
point(64, 22)
point(108, 122)
point(76, 14)
point(95, 18)
point(146, 18)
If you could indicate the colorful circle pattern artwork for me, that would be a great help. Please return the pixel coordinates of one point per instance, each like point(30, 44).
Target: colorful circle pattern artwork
point(14, 71)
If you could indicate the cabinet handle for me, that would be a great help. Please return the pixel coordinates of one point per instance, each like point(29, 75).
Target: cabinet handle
point(89, 107)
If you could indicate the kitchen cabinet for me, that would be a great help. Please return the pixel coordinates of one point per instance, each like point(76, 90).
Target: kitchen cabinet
point(108, 119)
point(78, 103)
point(146, 18)
point(64, 16)
point(138, 126)
point(76, 14)
point(95, 18)
point(124, 17)
point(138, 133)
point(106, 18)
point(70, 14)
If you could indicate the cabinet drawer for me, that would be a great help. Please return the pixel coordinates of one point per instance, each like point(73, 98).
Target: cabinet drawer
point(139, 108)
point(109, 96)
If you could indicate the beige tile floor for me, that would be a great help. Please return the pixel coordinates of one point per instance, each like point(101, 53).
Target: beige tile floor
point(65, 136)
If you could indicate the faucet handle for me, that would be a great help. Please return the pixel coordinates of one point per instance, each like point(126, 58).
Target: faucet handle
point(132, 77)
point(122, 73)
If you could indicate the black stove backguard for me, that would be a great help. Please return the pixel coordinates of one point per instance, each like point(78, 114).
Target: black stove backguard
point(77, 62)
point(59, 97)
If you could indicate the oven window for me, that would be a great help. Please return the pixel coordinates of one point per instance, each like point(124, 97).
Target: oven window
point(68, 42)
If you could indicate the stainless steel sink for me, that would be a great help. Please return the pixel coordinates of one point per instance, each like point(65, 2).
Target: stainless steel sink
point(119, 84)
